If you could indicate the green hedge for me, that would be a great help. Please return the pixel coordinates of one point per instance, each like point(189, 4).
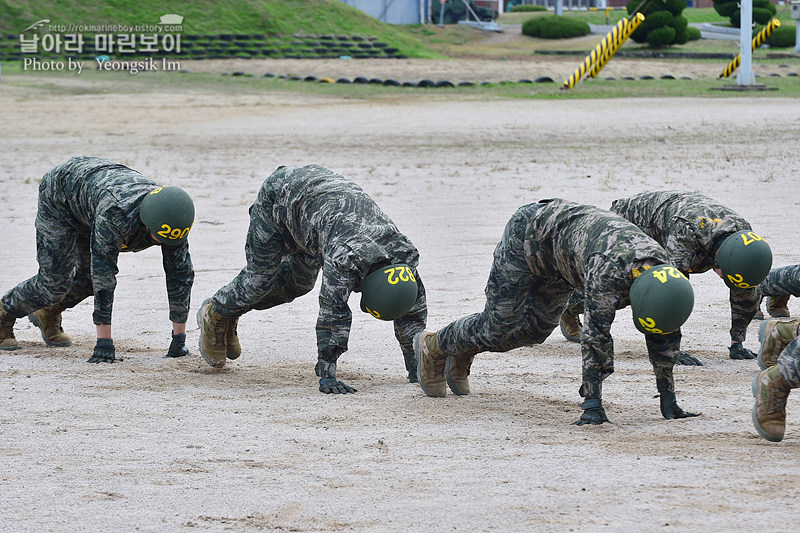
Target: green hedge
point(763, 11)
point(782, 37)
point(555, 27)
point(519, 9)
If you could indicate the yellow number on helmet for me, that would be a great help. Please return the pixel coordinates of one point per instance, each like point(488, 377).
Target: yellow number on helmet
point(373, 313)
point(391, 278)
point(650, 325)
point(660, 275)
point(738, 281)
point(156, 191)
point(753, 237)
point(411, 275)
point(165, 231)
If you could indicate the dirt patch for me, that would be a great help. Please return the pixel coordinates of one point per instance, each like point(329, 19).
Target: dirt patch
point(171, 445)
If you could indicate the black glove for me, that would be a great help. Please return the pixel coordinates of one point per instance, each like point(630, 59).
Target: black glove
point(334, 386)
point(412, 376)
point(670, 409)
point(737, 351)
point(593, 413)
point(177, 348)
point(685, 358)
point(103, 352)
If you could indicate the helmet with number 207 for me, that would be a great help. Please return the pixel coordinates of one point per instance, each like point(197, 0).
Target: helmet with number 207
point(389, 292)
point(661, 300)
point(745, 259)
point(168, 212)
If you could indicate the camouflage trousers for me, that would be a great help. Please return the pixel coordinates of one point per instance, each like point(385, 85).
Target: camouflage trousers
point(64, 258)
point(521, 308)
point(273, 274)
point(782, 281)
point(789, 363)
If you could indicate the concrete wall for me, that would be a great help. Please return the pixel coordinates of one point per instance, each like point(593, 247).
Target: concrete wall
point(394, 11)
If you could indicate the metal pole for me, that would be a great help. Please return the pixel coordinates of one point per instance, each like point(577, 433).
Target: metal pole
point(745, 76)
point(797, 37)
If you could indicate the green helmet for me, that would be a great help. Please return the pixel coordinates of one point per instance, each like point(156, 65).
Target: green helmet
point(744, 259)
point(661, 300)
point(168, 212)
point(389, 292)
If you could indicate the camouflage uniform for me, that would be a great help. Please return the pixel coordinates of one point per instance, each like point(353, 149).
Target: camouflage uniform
point(309, 219)
point(781, 282)
point(88, 213)
point(690, 227)
point(789, 363)
point(549, 249)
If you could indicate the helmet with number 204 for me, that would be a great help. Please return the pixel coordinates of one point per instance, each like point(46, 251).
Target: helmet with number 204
point(661, 299)
point(744, 259)
point(389, 292)
point(168, 212)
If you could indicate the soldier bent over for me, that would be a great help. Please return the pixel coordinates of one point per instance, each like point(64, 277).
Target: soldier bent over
point(549, 249)
point(90, 210)
point(699, 234)
point(305, 220)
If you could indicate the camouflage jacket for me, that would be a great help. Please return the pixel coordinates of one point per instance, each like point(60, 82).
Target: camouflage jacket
point(691, 227)
point(100, 199)
point(596, 252)
point(331, 220)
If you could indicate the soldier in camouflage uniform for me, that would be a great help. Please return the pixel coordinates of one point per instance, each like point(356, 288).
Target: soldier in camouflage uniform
point(549, 249)
point(692, 228)
point(777, 287)
point(90, 210)
point(305, 220)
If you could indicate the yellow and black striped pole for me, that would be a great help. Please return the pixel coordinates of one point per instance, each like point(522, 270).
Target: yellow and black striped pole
point(630, 27)
point(590, 59)
point(758, 40)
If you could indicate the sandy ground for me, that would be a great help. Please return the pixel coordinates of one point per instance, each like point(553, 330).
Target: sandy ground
point(154, 444)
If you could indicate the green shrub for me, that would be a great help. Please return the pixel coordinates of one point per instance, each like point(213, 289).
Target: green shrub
point(555, 27)
point(679, 23)
point(726, 9)
point(676, 7)
point(782, 37)
point(518, 9)
point(693, 33)
point(661, 37)
point(763, 11)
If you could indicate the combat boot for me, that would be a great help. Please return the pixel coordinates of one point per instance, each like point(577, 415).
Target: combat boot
point(456, 372)
point(571, 327)
point(775, 335)
point(769, 410)
point(48, 320)
point(234, 349)
point(213, 333)
point(778, 306)
point(7, 339)
point(430, 364)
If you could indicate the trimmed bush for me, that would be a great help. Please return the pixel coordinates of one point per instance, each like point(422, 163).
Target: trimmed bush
point(782, 37)
point(661, 37)
point(664, 25)
point(763, 11)
point(555, 27)
point(693, 33)
point(675, 7)
point(519, 9)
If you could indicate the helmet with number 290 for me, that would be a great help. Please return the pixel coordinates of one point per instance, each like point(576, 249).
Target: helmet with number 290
point(168, 212)
point(661, 300)
point(744, 259)
point(389, 292)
